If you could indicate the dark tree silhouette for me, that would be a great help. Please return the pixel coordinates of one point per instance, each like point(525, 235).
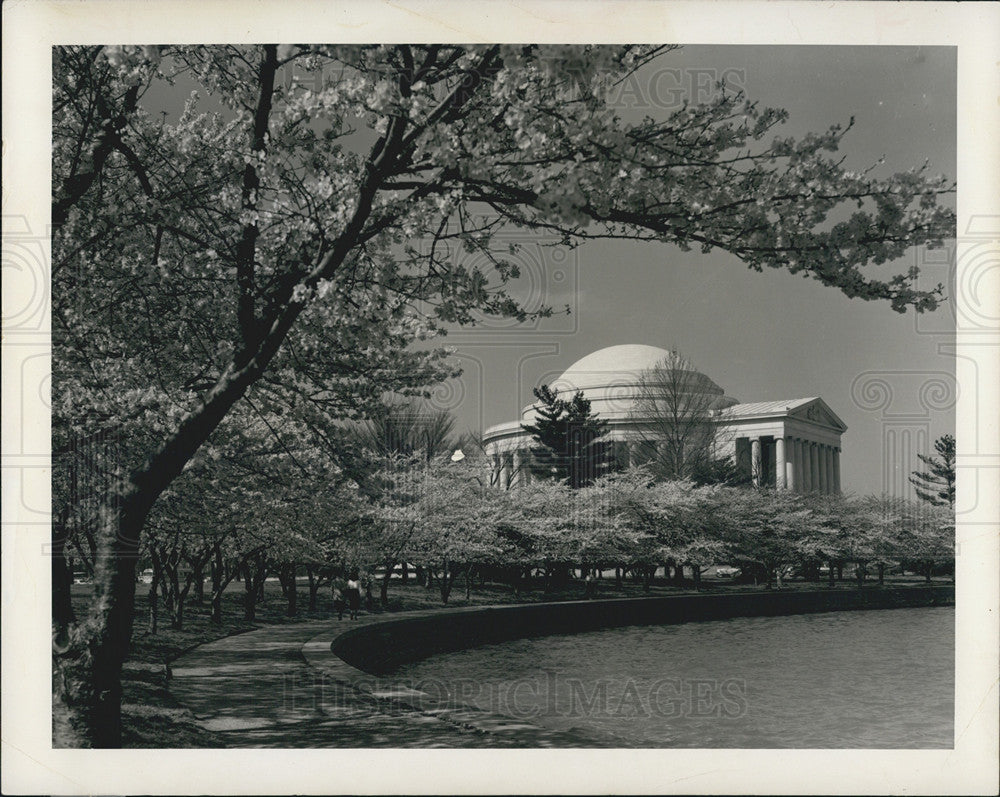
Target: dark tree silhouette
point(571, 446)
point(936, 485)
point(721, 470)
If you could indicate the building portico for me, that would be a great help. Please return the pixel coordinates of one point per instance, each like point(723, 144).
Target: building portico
point(787, 445)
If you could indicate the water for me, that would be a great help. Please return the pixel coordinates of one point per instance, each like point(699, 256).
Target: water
point(876, 679)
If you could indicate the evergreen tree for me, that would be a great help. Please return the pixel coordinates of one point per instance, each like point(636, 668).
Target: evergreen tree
point(937, 484)
point(571, 448)
point(721, 470)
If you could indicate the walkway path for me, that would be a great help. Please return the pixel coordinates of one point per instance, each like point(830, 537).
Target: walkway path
point(283, 687)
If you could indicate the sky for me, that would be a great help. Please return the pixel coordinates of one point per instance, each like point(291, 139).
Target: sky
point(760, 336)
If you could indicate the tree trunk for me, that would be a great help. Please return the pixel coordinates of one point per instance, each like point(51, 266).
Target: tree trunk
point(176, 595)
point(264, 570)
point(468, 581)
point(289, 572)
point(696, 572)
point(88, 655)
point(223, 573)
point(198, 574)
point(166, 589)
point(420, 576)
point(314, 585)
point(293, 596)
point(383, 594)
point(404, 573)
point(218, 582)
point(618, 578)
point(249, 595)
point(444, 582)
point(180, 596)
point(62, 581)
point(216, 616)
point(153, 597)
point(177, 623)
point(369, 598)
point(286, 577)
point(881, 574)
point(831, 582)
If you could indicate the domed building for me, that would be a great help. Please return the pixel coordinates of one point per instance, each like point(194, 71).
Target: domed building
point(786, 444)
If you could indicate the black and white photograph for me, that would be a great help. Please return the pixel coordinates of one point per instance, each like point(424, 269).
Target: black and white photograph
point(383, 390)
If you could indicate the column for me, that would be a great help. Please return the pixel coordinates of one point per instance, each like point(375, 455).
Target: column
point(791, 482)
point(824, 472)
point(755, 460)
point(836, 471)
point(518, 465)
point(829, 470)
point(814, 484)
point(780, 465)
point(806, 469)
point(797, 463)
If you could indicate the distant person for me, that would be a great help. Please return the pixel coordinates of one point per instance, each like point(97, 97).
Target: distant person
point(369, 598)
point(339, 601)
point(591, 584)
point(354, 596)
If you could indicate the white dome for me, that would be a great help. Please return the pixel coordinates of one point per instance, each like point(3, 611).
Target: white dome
point(613, 365)
point(610, 378)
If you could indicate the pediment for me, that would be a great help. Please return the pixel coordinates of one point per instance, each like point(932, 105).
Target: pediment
point(817, 412)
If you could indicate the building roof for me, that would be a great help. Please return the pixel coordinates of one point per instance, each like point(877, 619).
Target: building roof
point(613, 365)
point(768, 407)
point(812, 410)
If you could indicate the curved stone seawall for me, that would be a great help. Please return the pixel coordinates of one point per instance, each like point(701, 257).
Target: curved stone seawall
point(380, 648)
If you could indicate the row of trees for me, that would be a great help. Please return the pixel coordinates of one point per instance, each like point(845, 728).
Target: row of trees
point(629, 520)
point(270, 497)
point(444, 518)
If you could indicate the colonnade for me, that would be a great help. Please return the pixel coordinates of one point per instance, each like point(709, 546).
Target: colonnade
point(799, 464)
point(795, 463)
